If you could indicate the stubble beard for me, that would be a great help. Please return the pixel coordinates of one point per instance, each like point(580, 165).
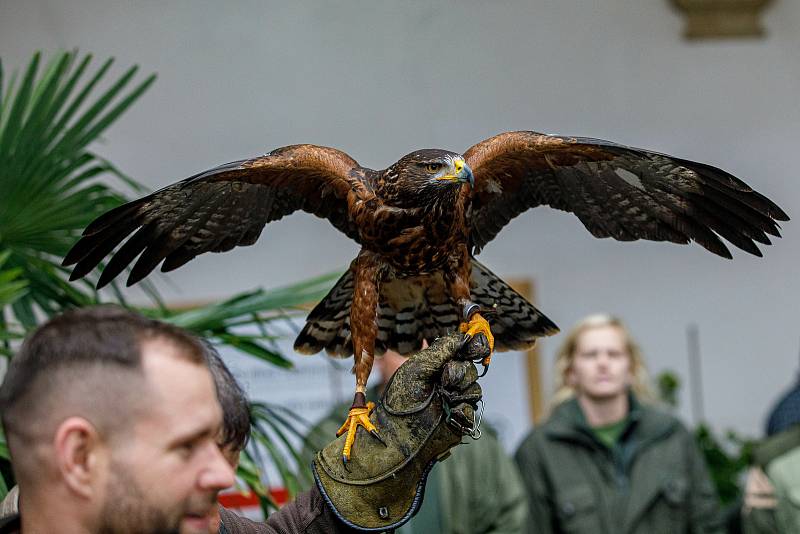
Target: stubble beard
point(128, 511)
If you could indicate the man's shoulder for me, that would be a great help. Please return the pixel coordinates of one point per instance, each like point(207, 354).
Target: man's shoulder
point(560, 422)
point(776, 446)
point(654, 424)
point(533, 441)
point(785, 470)
point(233, 523)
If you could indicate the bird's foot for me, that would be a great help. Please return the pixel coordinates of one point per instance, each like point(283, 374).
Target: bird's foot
point(358, 416)
point(478, 325)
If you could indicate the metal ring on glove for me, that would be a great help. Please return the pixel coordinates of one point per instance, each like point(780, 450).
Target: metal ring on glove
point(475, 431)
point(475, 434)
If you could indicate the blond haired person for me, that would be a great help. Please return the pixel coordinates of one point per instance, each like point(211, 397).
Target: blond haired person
point(607, 461)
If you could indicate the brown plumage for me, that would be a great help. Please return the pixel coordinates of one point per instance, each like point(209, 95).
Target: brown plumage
point(420, 221)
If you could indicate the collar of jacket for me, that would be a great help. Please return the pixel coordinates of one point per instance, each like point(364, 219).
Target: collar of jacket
point(645, 424)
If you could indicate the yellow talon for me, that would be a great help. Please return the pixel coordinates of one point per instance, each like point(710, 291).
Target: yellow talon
point(355, 418)
point(478, 325)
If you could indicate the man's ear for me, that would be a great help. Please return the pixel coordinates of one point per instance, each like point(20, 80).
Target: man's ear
point(79, 455)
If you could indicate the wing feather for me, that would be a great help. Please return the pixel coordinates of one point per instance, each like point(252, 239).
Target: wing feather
point(222, 208)
point(616, 191)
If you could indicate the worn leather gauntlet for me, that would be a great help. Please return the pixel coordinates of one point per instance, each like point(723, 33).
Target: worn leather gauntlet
point(427, 407)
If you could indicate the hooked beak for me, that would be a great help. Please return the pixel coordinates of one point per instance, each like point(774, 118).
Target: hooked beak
point(461, 173)
point(465, 176)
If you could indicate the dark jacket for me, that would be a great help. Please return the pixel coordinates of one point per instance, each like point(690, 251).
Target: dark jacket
point(10, 524)
point(652, 481)
point(307, 514)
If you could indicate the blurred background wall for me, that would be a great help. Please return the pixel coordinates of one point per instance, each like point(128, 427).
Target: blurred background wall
point(379, 79)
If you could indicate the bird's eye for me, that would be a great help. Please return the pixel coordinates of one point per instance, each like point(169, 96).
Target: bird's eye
point(433, 167)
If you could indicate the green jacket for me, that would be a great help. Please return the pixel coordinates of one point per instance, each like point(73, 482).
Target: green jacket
point(652, 481)
point(476, 490)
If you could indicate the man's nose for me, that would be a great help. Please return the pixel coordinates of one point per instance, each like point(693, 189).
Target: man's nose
point(219, 474)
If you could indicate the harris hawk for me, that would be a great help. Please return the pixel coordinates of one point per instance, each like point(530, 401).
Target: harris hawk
point(419, 223)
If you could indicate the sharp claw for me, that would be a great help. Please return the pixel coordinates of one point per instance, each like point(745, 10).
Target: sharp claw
point(485, 362)
point(463, 342)
point(478, 325)
point(356, 417)
point(377, 436)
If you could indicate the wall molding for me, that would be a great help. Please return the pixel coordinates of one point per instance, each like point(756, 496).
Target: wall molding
point(722, 18)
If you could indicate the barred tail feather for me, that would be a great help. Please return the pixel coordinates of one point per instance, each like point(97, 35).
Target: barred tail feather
point(515, 323)
point(414, 309)
point(328, 324)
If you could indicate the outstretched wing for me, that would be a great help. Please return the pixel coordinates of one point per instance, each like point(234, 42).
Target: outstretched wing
point(220, 209)
point(616, 191)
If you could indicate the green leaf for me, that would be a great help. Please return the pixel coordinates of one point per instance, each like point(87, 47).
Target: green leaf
point(3, 447)
point(278, 460)
point(105, 121)
point(1, 91)
point(221, 315)
point(249, 471)
point(5, 104)
point(30, 139)
point(279, 426)
point(4, 456)
point(8, 335)
point(12, 286)
point(21, 103)
point(249, 346)
point(51, 186)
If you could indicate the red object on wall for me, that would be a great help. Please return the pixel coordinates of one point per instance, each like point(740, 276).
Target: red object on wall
point(248, 499)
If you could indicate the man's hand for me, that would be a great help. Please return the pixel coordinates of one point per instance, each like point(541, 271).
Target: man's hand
point(428, 406)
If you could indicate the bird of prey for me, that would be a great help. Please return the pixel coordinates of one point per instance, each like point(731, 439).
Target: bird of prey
point(419, 223)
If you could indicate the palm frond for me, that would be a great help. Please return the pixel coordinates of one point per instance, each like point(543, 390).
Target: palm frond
point(225, 322)
point(275, 435)
point(250, 472)
point(3, 446)
point(50, 187)
point(12, 286)
point(4, 459)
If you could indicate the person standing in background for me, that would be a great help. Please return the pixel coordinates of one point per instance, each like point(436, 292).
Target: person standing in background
point(606, 460)
point(772, 489)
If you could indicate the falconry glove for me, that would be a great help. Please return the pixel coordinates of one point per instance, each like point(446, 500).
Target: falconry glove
point(428, 406)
